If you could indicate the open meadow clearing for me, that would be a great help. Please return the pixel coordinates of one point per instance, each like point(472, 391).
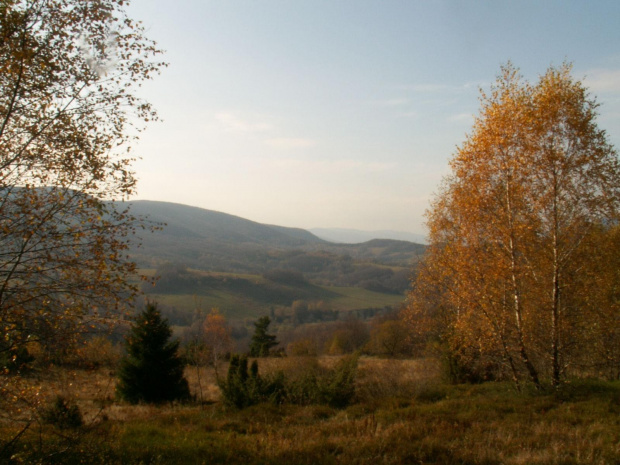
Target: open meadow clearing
point(402, 413)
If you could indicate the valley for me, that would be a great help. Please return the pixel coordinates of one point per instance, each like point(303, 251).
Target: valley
point(204, 259)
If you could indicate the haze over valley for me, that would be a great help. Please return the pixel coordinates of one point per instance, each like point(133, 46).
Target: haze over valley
point(205, 258)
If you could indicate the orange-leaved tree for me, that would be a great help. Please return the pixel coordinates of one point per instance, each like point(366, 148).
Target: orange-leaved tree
point(69, 70)
point(68, 112)
point(217, 336)
point(517, 232)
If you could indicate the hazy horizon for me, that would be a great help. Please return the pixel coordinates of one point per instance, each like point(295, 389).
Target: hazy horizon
point(336, 235)
point(321, 114)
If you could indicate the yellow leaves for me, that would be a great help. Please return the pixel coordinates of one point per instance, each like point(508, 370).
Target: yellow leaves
point(525, 187)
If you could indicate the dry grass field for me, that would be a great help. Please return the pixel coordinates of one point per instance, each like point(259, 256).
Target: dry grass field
point(402, 413)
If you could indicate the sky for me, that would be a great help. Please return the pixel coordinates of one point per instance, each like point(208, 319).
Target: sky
point(344, 113)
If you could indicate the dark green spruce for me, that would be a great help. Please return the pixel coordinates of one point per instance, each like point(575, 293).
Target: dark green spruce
point(151, 371)
point(262, 342)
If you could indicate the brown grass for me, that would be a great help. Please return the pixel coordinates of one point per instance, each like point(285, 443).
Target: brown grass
point(403, 414)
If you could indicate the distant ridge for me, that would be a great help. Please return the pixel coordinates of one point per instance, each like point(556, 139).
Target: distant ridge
point(216, 241)
point(188, 221)
point(356, 236)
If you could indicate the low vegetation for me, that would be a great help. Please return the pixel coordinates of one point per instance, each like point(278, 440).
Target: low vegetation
point(401, 412)
point(309, 384)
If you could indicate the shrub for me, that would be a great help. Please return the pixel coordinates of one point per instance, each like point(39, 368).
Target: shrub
point(313, 384)
point(15, 359)
point(301, 348)
point(242, 388)
point(469, 366)
point(238, 389)
point(152, 371)
point(63, 414)
point(93, 353)
point(337, 388)
point(305, 384)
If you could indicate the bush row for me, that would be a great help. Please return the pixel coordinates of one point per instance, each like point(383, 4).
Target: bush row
point(312, 384)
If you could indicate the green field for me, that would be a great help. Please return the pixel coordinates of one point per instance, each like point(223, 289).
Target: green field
point(351, 298)
point(240, 296)
point(237, 307)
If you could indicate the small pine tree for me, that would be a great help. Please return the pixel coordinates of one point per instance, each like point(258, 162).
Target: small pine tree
point(262, 342)
point(243, 388)
point(151, 371)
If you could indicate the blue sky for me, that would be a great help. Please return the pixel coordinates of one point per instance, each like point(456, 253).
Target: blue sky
point(344, 113)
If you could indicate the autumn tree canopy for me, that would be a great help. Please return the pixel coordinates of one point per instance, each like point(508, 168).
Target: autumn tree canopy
point(68, 112)
point(512, 283)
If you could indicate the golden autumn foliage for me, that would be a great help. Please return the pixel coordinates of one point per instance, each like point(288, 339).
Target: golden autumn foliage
point(518, 280)
point(68, 112)
point(209, 343)
point(216, 336)
point(67, 109)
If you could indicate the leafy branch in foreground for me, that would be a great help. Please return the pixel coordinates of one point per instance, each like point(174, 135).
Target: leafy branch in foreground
point(69, 70)
point(68, 111)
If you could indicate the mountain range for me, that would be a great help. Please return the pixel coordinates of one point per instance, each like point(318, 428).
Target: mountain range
point(216, 241)
point(206, 259)
point(355, 236)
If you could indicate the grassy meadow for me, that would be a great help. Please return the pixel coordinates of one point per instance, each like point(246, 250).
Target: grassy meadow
point(402, 413)
point(240, 296)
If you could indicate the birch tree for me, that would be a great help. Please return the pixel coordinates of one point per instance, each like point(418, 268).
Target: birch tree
point(217, 337)
point(509, 227)
point(68, 114)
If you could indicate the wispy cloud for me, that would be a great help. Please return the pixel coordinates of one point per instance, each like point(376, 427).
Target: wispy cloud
point(332, 166)
point(232, 122)
point(461, 117)
point(260, 129)
point(603, 80)
point(290, 143)
point(444, 88)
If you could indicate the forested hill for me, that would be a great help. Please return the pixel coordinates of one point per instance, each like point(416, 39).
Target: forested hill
point(183, 221)
point(211, 240)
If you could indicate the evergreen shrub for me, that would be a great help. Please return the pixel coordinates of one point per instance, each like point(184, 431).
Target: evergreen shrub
point(152, 370)
point(63, 414)
point(311, 386)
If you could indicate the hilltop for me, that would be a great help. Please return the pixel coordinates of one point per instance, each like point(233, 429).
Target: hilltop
point(212, 259)
point(216, 241)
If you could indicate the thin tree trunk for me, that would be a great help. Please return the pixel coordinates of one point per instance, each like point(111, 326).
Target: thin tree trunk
point(513, 368)
point(555, 306)
point(518, 313)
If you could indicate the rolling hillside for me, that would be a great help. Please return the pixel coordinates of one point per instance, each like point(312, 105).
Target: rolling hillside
point(180, 292)
point(216, 241)
point(355, 236)
point(210, 259)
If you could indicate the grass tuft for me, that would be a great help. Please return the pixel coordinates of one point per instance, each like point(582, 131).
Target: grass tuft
point(401, 414)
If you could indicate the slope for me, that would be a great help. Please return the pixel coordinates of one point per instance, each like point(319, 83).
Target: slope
point(214, 241)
